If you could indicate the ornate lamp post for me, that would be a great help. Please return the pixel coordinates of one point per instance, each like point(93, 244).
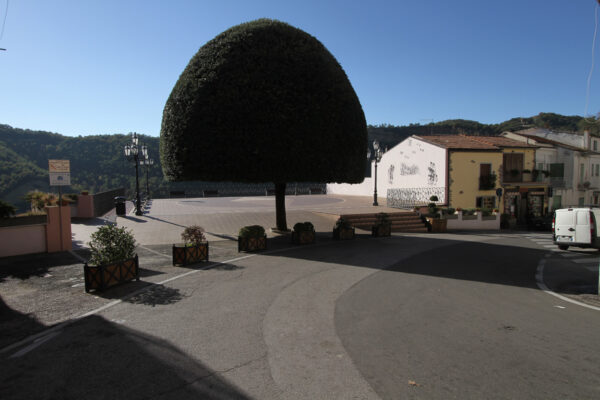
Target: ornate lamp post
point(135, 151)
point(147, 162)
point(378, 152)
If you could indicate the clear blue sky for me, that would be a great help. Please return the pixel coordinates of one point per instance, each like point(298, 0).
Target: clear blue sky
point(102, 67)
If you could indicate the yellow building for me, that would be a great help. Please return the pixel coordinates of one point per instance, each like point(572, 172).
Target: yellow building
point(492, 173)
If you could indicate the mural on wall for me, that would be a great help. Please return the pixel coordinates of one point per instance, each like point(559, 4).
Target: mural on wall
point(409, 169)
point(410, 197)
point(391, 174)
point(432, 176)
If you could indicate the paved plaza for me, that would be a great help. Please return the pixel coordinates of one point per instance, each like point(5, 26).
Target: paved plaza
point(222, 217)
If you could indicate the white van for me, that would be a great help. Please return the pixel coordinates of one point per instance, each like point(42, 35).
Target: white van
point(576, 227)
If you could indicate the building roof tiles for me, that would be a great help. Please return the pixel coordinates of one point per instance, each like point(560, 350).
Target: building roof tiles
point(464, 142)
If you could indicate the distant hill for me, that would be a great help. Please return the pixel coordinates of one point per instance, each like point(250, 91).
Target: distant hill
point(390, 135)
point(98, 162)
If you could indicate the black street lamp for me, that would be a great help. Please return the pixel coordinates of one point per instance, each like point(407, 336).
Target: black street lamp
point(377, 157)
point(135, 151)
point(147, 162)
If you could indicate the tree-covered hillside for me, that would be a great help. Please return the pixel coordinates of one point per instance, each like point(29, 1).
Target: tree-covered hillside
point(98, 162)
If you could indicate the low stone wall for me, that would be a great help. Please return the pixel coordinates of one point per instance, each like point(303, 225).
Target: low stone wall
point(473, 222)
point(22, 235)
point(105, 201)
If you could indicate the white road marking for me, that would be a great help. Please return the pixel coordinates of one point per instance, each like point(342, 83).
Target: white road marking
point(561, 307)
point(539, 280)
point(36, 343)
point(586, 260)
point(155, 252)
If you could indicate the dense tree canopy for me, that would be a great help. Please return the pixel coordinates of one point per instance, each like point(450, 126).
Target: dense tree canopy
point(263, 102)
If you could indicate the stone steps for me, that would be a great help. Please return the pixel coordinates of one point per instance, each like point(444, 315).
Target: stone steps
point(401, 221)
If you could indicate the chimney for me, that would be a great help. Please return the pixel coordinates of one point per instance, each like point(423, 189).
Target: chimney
point(586, 139)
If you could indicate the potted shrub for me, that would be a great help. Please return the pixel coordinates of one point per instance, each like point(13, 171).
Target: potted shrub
point(383, 226)
point(194, 248)
point(6, 210)
point(303, 233)
point(343, 230)
point(252, 238)
point(435, 223)
point(113, 259)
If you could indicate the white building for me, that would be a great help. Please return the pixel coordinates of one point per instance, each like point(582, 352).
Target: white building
point(414, 167)
point(573, 162)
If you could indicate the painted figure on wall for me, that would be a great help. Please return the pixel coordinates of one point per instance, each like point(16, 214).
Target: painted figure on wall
point(432, 175)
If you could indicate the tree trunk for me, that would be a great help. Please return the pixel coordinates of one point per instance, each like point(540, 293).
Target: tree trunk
point(280, 206)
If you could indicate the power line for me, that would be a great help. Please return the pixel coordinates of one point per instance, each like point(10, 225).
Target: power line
point(589, 80)
point(4, 22)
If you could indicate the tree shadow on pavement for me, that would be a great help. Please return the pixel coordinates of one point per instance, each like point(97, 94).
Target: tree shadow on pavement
point(14, 324)
point(511, 265)
point(156, 295)
point(96, 359)
point(30, 265)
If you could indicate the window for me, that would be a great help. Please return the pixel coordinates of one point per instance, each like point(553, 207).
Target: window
point(540, 176)
point(485, 202)
point(581, 172)
point(557, 170)
point(513, 167)
point(487, 179)
point(595, 145)
point(597, 169)
point(580, 202)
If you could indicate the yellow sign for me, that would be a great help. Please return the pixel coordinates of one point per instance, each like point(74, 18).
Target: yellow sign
point(59, 166)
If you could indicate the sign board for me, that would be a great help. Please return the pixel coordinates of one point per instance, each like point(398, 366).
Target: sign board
point(60, 172)
point(60, 178)
point(59, 166)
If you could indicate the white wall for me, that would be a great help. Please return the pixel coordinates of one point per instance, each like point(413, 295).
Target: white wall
point(358, 189)
point(411, 164)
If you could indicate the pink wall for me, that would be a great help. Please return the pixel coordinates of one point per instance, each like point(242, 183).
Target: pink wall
point(22, 239)
point(53, 237)
point(85, 206)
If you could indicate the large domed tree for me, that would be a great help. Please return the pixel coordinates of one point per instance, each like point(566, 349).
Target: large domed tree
point(264, 102)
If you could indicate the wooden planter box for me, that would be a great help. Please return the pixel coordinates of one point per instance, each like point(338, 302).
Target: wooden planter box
point(343, 233)
point(303, 237)
point(104, 276)
point(381, 230)
point(438, 225)
point(184, 255)
point(252, 243)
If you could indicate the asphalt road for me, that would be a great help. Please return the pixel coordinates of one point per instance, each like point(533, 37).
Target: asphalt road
point(430, 316)
point(467, 322)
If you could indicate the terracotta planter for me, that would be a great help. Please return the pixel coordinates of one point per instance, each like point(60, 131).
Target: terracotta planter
point(252, 243)
point(438, 225)
point(343, 233)
point(100, 277)
point(381, 230)
point(184, 255)
point(303, 237)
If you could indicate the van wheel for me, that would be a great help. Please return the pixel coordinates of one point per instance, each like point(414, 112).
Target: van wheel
point(563, 246)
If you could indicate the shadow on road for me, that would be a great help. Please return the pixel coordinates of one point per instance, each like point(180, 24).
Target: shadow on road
point(98, 359)
point(512, 265)
point(30, 265)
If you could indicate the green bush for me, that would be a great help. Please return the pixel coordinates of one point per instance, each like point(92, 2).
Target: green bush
point(110, 244)
point(193, 235)
point(304, 227)
point(342, 223)
point(6, 210)
point(252, 231)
